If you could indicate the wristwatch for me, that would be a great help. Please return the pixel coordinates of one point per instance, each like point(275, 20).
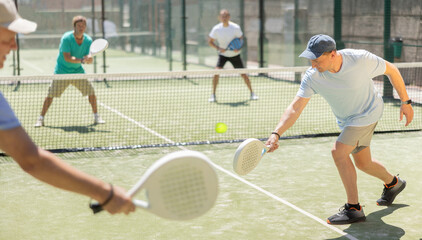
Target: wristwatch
point(406, 102)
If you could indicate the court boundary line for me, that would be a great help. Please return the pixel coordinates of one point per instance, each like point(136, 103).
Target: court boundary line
point(32, 66)
point(269, 194)
point(136, 123)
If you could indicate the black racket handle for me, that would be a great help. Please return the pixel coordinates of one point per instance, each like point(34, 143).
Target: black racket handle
point(96, 207)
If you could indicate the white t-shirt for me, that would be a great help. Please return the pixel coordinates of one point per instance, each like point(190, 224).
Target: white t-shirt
point(350, 92)
point(224, 35)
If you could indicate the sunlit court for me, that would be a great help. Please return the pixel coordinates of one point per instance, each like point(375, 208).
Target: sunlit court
point(288, 196)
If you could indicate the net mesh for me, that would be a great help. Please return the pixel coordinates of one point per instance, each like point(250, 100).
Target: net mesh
point(157, 36)
point(172, 108)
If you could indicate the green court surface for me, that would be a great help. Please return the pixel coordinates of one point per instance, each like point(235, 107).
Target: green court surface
point(177, 108)
point(288, 196)
point(43, 61)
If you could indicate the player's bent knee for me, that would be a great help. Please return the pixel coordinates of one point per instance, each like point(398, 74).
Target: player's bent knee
point(361, 165)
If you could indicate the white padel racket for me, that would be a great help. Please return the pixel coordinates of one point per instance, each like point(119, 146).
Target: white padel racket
point(98, 46)
point(248, 155)
point(180, 186)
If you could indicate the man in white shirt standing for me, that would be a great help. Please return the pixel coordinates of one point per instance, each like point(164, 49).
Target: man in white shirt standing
point(219, 38)
point(344, 79)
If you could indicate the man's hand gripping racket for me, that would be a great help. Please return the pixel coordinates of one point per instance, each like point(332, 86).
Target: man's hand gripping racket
point(180, 186)
point(98, 46)
point(235, 45)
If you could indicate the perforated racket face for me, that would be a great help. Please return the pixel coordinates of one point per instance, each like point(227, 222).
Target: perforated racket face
point(185, 187)
point(247, 156)
point(98, 46)
point(236, 44)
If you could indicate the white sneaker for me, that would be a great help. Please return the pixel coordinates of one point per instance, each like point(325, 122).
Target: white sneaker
point(40, 122)
point(98, 120)
point(212, 98)
point(254, 97)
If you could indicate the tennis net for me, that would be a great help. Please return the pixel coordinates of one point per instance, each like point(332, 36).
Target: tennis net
point(172, 108)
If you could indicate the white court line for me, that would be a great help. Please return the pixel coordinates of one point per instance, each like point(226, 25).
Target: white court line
point(286, 203)
point(32, 65)
point(136, 123)
point(324, 223)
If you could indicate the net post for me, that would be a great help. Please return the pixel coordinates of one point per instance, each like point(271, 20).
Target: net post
point(263, 42)
point(296, 39)
point(200, 37)
point(183, 9)
point(154, 27)
point(169, 47)
point(338, 25)
point(104, 36)
point(18, 67)
point(244, 53)
point(93, 31)
point(388, 50)
point(121, 20)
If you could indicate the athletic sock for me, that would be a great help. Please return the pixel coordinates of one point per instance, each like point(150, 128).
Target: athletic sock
point(392, 183)
point(355, 206)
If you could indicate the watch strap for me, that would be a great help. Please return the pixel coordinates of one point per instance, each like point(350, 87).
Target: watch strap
point(406, 102)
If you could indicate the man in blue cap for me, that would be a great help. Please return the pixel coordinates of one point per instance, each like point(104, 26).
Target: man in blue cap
point(344, 79)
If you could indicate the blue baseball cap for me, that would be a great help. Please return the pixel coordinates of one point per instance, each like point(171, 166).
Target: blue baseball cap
point(318, 45)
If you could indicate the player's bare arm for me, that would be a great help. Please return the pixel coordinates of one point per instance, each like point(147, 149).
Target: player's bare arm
point(397, 81)
point(88, 59)
point(211, 42)
point(72, 59)
point(289, 117)
point(46, 167)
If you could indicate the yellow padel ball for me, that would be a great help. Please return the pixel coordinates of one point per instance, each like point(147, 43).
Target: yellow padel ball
point(220, 127)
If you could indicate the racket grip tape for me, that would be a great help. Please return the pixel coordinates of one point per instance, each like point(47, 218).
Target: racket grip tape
point(97, 207)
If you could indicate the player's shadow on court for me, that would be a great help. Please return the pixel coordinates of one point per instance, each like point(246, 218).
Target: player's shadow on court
point(374, 227)
point(235, 104)
point(79, 129)
point(191, 81)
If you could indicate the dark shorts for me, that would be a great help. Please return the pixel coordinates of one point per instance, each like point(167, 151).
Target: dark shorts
point(235, 61)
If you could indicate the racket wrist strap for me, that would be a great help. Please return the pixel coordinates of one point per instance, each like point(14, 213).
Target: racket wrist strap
point(276, 133)
point(110, 196)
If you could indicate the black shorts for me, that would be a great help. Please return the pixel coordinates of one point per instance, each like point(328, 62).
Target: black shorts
point(236, 61)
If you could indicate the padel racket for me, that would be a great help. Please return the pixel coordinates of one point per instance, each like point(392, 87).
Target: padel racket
point(180, 186)
point(235, 44)
point(98, 46)
point(248, 155)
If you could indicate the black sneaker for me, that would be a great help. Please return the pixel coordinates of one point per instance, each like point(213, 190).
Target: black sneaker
point(347, 215)
point(390, 193)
